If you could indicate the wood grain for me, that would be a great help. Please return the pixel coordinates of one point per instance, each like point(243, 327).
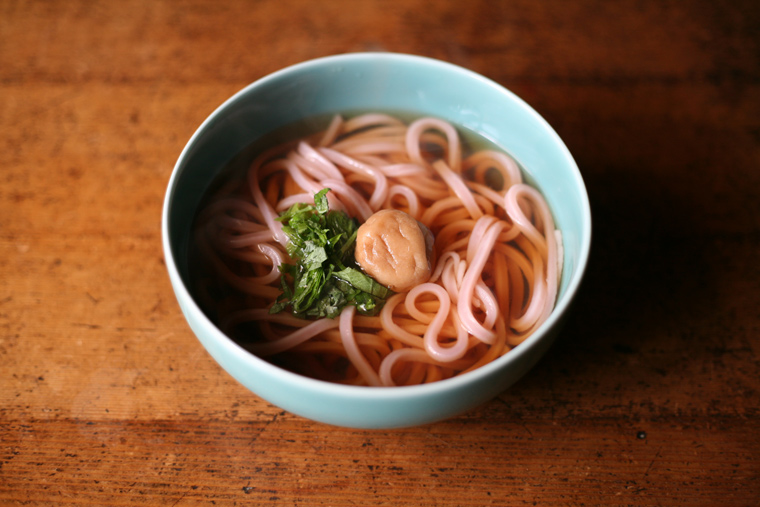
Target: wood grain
point(650, 396)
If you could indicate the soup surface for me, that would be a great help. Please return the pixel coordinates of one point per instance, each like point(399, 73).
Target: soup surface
point(375, 250)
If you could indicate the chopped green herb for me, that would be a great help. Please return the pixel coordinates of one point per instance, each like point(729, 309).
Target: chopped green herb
point(325, 277)
point(362, 282)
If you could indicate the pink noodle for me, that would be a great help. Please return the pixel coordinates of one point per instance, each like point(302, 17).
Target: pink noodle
point(352, 349)
point(415, 132)
point(400, 170)
point(478, 235)
point(220, 207)
point(268, 214)
point(391, 359)
point(247, 239)
point(328, 168)
point(287, 202)
point(456, 183)
point(352, 199)
point(246, 285)
point(367, 120)
point(386, 318)
point(500, 161)
point(546, 244)
point(490, 194)
point(471, 278)
point(412, 201)
point(262, 314)
point(295, 338)
point(332, 131)
point(450, 270)
point(239, 225)
point(381, 182)
point(433, 348)
point(438, 207)
point(535, 308)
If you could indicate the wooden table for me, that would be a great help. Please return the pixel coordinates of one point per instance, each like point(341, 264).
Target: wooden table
point(650, 396)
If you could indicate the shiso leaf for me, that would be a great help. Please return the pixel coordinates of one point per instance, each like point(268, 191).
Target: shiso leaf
point(325, 277)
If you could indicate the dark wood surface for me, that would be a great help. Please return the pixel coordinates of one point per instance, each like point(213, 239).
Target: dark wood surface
point(651, 394)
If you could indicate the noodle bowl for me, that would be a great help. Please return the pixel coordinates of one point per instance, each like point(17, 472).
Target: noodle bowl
point(233, 286)
point(495, 265)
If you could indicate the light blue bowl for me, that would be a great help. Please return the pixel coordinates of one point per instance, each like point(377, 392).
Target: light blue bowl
point(391, 82)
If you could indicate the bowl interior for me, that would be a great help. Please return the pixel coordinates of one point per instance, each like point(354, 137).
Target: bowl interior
point(380, 82)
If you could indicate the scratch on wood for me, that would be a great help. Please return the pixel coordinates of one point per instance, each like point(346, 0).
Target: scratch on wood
point(263, 429)
point(180, 499)
point(656, 456)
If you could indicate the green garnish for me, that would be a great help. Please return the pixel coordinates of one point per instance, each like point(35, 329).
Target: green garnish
point(325, 277)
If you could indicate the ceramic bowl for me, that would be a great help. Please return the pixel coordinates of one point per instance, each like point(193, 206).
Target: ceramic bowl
point(379, 82)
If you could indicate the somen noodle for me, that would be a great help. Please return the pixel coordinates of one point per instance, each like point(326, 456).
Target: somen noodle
point(494, 267)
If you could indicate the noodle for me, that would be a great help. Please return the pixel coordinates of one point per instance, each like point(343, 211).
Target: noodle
point(496, 259)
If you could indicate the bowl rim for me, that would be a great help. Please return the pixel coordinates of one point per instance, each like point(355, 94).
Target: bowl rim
point(376, 393)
